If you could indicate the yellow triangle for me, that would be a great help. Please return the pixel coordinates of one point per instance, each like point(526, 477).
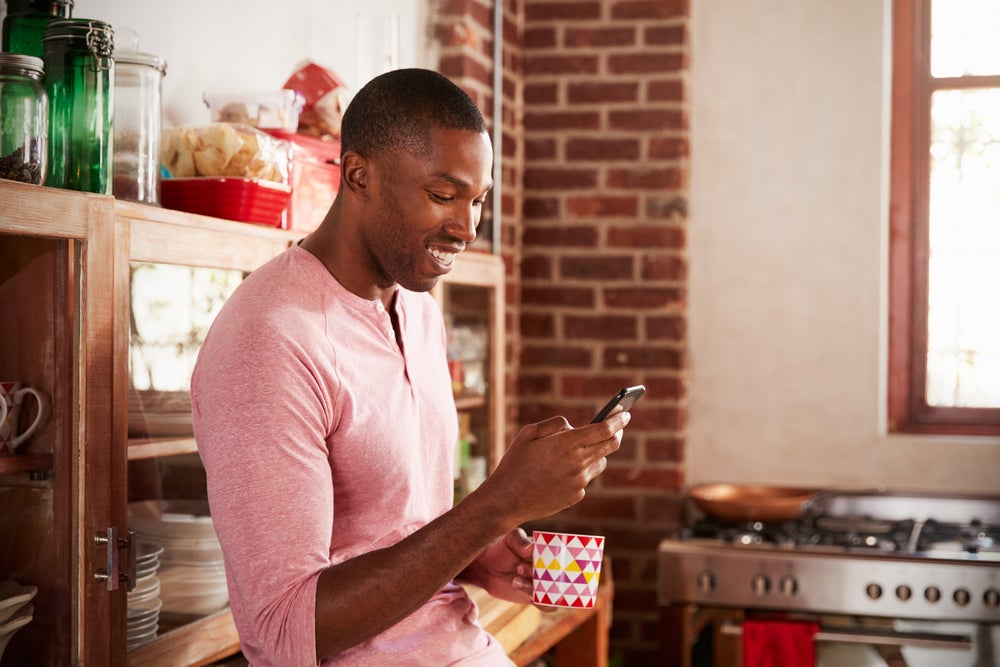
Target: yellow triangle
point(540, 563)
point(589, 576)
point(573, 567)
point(554, 565)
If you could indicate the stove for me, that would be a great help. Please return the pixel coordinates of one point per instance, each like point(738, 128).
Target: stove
point(900, 556)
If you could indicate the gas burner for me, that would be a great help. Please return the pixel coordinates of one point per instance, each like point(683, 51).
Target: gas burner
point(745, 533)
point(861, 532)
point(971, 538)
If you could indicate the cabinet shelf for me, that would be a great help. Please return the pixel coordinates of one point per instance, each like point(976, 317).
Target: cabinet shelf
point(200, 642)
point(18, 463)
point(149, 448)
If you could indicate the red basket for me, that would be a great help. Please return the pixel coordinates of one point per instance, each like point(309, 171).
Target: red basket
point(241, 199)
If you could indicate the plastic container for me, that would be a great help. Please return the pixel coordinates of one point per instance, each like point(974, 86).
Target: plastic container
point(24, 119)
point(278, 109)
point(137, 122)
point(241, 199)
point(25, 22)
point(79, 77)
point(314, 174)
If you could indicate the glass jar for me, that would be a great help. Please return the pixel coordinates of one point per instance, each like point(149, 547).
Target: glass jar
point(79, 80)
point(138, 113)
point(24, 24)
point(24, 119)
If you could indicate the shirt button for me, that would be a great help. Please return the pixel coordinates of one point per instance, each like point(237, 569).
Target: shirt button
point(379, 307)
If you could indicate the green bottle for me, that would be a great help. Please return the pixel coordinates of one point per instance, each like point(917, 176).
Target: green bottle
point(79, 80)
point(24, 24)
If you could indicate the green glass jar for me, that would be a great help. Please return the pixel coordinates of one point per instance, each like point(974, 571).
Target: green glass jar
point(25, 22)
point(24, 119)
point(79, 80)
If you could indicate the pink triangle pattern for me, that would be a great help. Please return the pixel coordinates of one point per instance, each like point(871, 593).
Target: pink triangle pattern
point(566, 569)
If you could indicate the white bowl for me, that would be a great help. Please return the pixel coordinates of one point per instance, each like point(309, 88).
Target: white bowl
point(184, 519)
point(13, 596)
point(15, 623)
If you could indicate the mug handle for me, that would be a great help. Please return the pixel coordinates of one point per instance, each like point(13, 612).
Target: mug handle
point(18, 397)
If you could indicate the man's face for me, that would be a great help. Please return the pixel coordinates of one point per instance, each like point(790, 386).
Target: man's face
point(427, 208)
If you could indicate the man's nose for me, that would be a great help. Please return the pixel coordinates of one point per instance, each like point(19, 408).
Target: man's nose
point(463, 226)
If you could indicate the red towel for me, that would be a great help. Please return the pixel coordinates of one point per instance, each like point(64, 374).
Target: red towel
point(778, 643)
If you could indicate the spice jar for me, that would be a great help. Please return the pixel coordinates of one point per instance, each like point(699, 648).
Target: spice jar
point(138, 112)
point(23, 119)
point(79, 80)
point(24, 24)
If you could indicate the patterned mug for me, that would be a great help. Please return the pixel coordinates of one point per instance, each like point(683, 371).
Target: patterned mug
point(12, 394)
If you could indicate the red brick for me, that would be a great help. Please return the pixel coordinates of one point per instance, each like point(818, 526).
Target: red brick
point(665, 450)
point(541, 207)
point(664, 508)
point(460, 65)
point(560, 179)
point(572, 297)
point(668, 327)
point(654, 119)
point(555, 355)
point(645, 63)
point(644, 478)
point(602, 91)
point(636, 236)
point(668, 148)
point(598, 37)
point(539, 149)
point(665, 35)
point(650, 9)
point(536, 267)
point(644, 356)
point(594, 149)
point(602, 206)
point(596, 267)
point(664, 267)
point(562, 120)
point(599, 388)
point(599, 327)
point(670, 208)
point(543, 37)
point(541, 93)
point(601, 507)
point(549, 11)
point(535, 65)
point(534, 385)
point(647, 179)
point(559, 237)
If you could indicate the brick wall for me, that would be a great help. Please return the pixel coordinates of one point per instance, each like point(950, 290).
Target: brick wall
point(603, 275)
point(594, 230)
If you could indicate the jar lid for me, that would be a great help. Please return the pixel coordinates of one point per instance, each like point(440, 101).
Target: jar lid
point(140, 58)
point(47, 7)
point(95, 35)
point(30, 63)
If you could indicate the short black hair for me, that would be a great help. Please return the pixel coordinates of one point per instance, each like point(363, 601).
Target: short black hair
point(398, 109)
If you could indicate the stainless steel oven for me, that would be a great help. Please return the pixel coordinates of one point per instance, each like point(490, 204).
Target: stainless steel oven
point(889, 578)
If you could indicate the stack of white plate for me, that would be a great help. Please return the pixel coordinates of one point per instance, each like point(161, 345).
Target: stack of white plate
point(15, 610)
point(192, 576)
point(144, 604)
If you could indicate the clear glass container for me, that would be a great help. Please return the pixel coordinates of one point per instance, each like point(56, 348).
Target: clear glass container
point(79, 80)
point(25, 21)
point(23, 119)
point(137, 122)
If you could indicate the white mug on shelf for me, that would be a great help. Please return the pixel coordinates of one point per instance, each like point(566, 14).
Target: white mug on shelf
point(12, 395)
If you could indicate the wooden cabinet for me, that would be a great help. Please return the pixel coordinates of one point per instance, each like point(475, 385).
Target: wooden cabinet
point(65, 310)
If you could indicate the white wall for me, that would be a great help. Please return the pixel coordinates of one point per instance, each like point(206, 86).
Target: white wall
point(255, 45)
point(788, 255)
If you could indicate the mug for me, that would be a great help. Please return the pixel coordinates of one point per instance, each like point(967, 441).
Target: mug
point(11, 396)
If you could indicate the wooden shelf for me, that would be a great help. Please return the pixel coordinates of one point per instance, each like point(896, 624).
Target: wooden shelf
point(148, 448)
point(12, 464)
point(469, 402)
point(199, 643)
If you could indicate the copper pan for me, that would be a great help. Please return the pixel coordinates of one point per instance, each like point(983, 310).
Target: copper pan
point(740, 502)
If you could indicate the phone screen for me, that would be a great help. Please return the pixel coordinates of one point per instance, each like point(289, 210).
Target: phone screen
point(626, 398)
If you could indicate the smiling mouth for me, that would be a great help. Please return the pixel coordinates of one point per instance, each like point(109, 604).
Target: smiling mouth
point(446, 258)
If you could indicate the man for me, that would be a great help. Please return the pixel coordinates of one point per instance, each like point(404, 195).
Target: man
point(324, 416)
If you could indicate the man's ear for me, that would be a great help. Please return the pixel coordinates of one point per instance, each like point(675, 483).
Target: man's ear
point(355, 170)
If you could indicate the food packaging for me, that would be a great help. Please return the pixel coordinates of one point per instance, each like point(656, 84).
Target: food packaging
point(240, 199)
point(224, 150)
point(276, 109)
point(314, 174)
point(325, 98)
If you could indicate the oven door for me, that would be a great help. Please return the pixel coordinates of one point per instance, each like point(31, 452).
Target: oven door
point(902, 646)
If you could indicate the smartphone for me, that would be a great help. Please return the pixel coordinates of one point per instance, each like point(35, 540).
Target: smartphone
point(625, 398)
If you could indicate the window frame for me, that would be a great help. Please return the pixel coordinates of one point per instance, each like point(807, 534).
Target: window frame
point(912, 89)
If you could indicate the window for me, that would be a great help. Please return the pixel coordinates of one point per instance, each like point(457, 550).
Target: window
point(944, 291)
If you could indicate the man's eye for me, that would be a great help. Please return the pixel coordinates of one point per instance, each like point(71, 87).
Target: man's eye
point(442, 198)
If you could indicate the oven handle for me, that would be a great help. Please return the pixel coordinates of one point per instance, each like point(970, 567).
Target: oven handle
point(871, 636)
